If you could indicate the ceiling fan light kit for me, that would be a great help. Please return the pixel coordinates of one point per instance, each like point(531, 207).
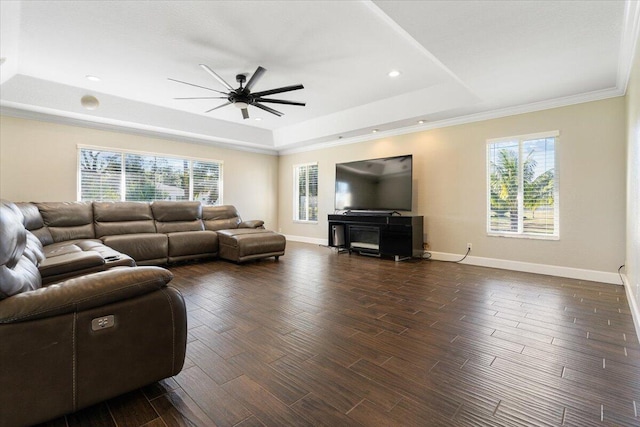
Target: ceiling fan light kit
point(242, 97)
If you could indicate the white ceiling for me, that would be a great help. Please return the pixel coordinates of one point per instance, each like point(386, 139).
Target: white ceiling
point(459, 61)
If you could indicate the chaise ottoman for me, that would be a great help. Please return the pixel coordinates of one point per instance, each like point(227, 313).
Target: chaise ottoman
point(244, 244)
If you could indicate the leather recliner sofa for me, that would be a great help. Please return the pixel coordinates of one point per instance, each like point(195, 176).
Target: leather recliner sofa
point(78, 341)
point(93, 236)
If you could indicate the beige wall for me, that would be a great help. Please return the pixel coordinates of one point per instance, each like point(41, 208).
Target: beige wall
point(38, 162)
point(449, 185)
point(632, 262)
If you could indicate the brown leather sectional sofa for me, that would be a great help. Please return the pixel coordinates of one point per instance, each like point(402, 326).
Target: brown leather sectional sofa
point(83, 237)
point(84, 313)
point(70, 344)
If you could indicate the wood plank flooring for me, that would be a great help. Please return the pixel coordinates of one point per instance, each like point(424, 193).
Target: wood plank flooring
point(321, 338)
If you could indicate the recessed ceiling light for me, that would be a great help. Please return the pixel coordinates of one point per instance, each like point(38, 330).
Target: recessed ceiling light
point(257, 119)
point(375, 131)
point(394, 73)
point(92, 78)
point(420, 122)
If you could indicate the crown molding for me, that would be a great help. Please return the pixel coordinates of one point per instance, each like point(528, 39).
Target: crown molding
point(628, 40)
point(43, 114)
point(53, 116)
point(471, 118)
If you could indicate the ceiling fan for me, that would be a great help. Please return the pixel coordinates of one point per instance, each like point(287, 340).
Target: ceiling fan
point(242, 97)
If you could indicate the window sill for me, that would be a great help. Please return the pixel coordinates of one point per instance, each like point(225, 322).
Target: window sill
point(298, 221)
point(523, 236)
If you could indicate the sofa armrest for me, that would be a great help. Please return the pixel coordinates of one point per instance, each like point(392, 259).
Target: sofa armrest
point(255, 223)
point(75, 261)
point(84, 292)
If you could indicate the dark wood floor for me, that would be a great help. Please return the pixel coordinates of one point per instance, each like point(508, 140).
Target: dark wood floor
point(325, 339)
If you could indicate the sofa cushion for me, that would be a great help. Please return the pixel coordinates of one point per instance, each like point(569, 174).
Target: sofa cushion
point(70, 262)
point(13, 235)
point(78, 257)
point(18, 273)
point(68, 220)
point(34, 250)
point(144, 248)
point(166, 211)
point(112, 257)
point(61, 248)
point(190, 244)
point(254, 223)
point(220, 217)
point(175, 226)
point(177, 216)
point(112, 218)
point(23, 277)
point(124, 227)
point(245, 244)
point(85, 292)
point(34, 223)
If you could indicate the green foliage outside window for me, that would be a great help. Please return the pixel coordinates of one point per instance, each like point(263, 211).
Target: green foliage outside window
point(104, 175)
point(522, 187)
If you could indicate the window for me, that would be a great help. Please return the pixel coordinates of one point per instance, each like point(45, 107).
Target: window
point(155, 178)
point(100, 175)
point(305, 192)
point(523, 186)
point(118, 175)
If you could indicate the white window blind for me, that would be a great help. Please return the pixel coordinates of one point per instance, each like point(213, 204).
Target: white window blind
point(113, 175)
point(305, 179)
point(206, 179)
point(100, 175)
point(156, 178)
point(523, 187)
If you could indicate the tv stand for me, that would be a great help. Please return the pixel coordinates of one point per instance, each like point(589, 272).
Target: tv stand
point(370, 213)
point(377, 235)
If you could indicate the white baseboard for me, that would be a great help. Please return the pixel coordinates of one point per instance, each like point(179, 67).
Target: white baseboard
point(304, 239)
point(633, 305)
point(528, 267)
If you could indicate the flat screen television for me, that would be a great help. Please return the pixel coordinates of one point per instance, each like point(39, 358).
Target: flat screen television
point(375, 185)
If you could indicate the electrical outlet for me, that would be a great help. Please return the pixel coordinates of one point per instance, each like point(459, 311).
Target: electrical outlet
point(469, 246)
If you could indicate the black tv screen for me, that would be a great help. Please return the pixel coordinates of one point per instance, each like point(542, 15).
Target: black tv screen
point(375, 184)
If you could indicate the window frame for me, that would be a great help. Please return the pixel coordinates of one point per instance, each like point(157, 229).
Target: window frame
point(296, 193)
point(124, 152)
point(521, 233)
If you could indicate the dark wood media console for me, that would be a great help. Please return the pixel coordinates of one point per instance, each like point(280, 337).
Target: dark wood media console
point(397, 236)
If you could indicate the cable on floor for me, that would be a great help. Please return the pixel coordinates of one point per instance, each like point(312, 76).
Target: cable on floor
point(461, 259)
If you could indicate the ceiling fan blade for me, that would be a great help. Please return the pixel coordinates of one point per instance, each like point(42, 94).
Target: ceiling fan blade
point(191, 84)
point(205, 97)
point(269, 109)
point(245, 113)
point(219, 106)
point(217, 77)
point(254, 79)
point(279, 90)
point(280, 101)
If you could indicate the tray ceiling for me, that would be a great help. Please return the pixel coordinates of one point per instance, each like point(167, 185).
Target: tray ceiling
point(458, 60)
